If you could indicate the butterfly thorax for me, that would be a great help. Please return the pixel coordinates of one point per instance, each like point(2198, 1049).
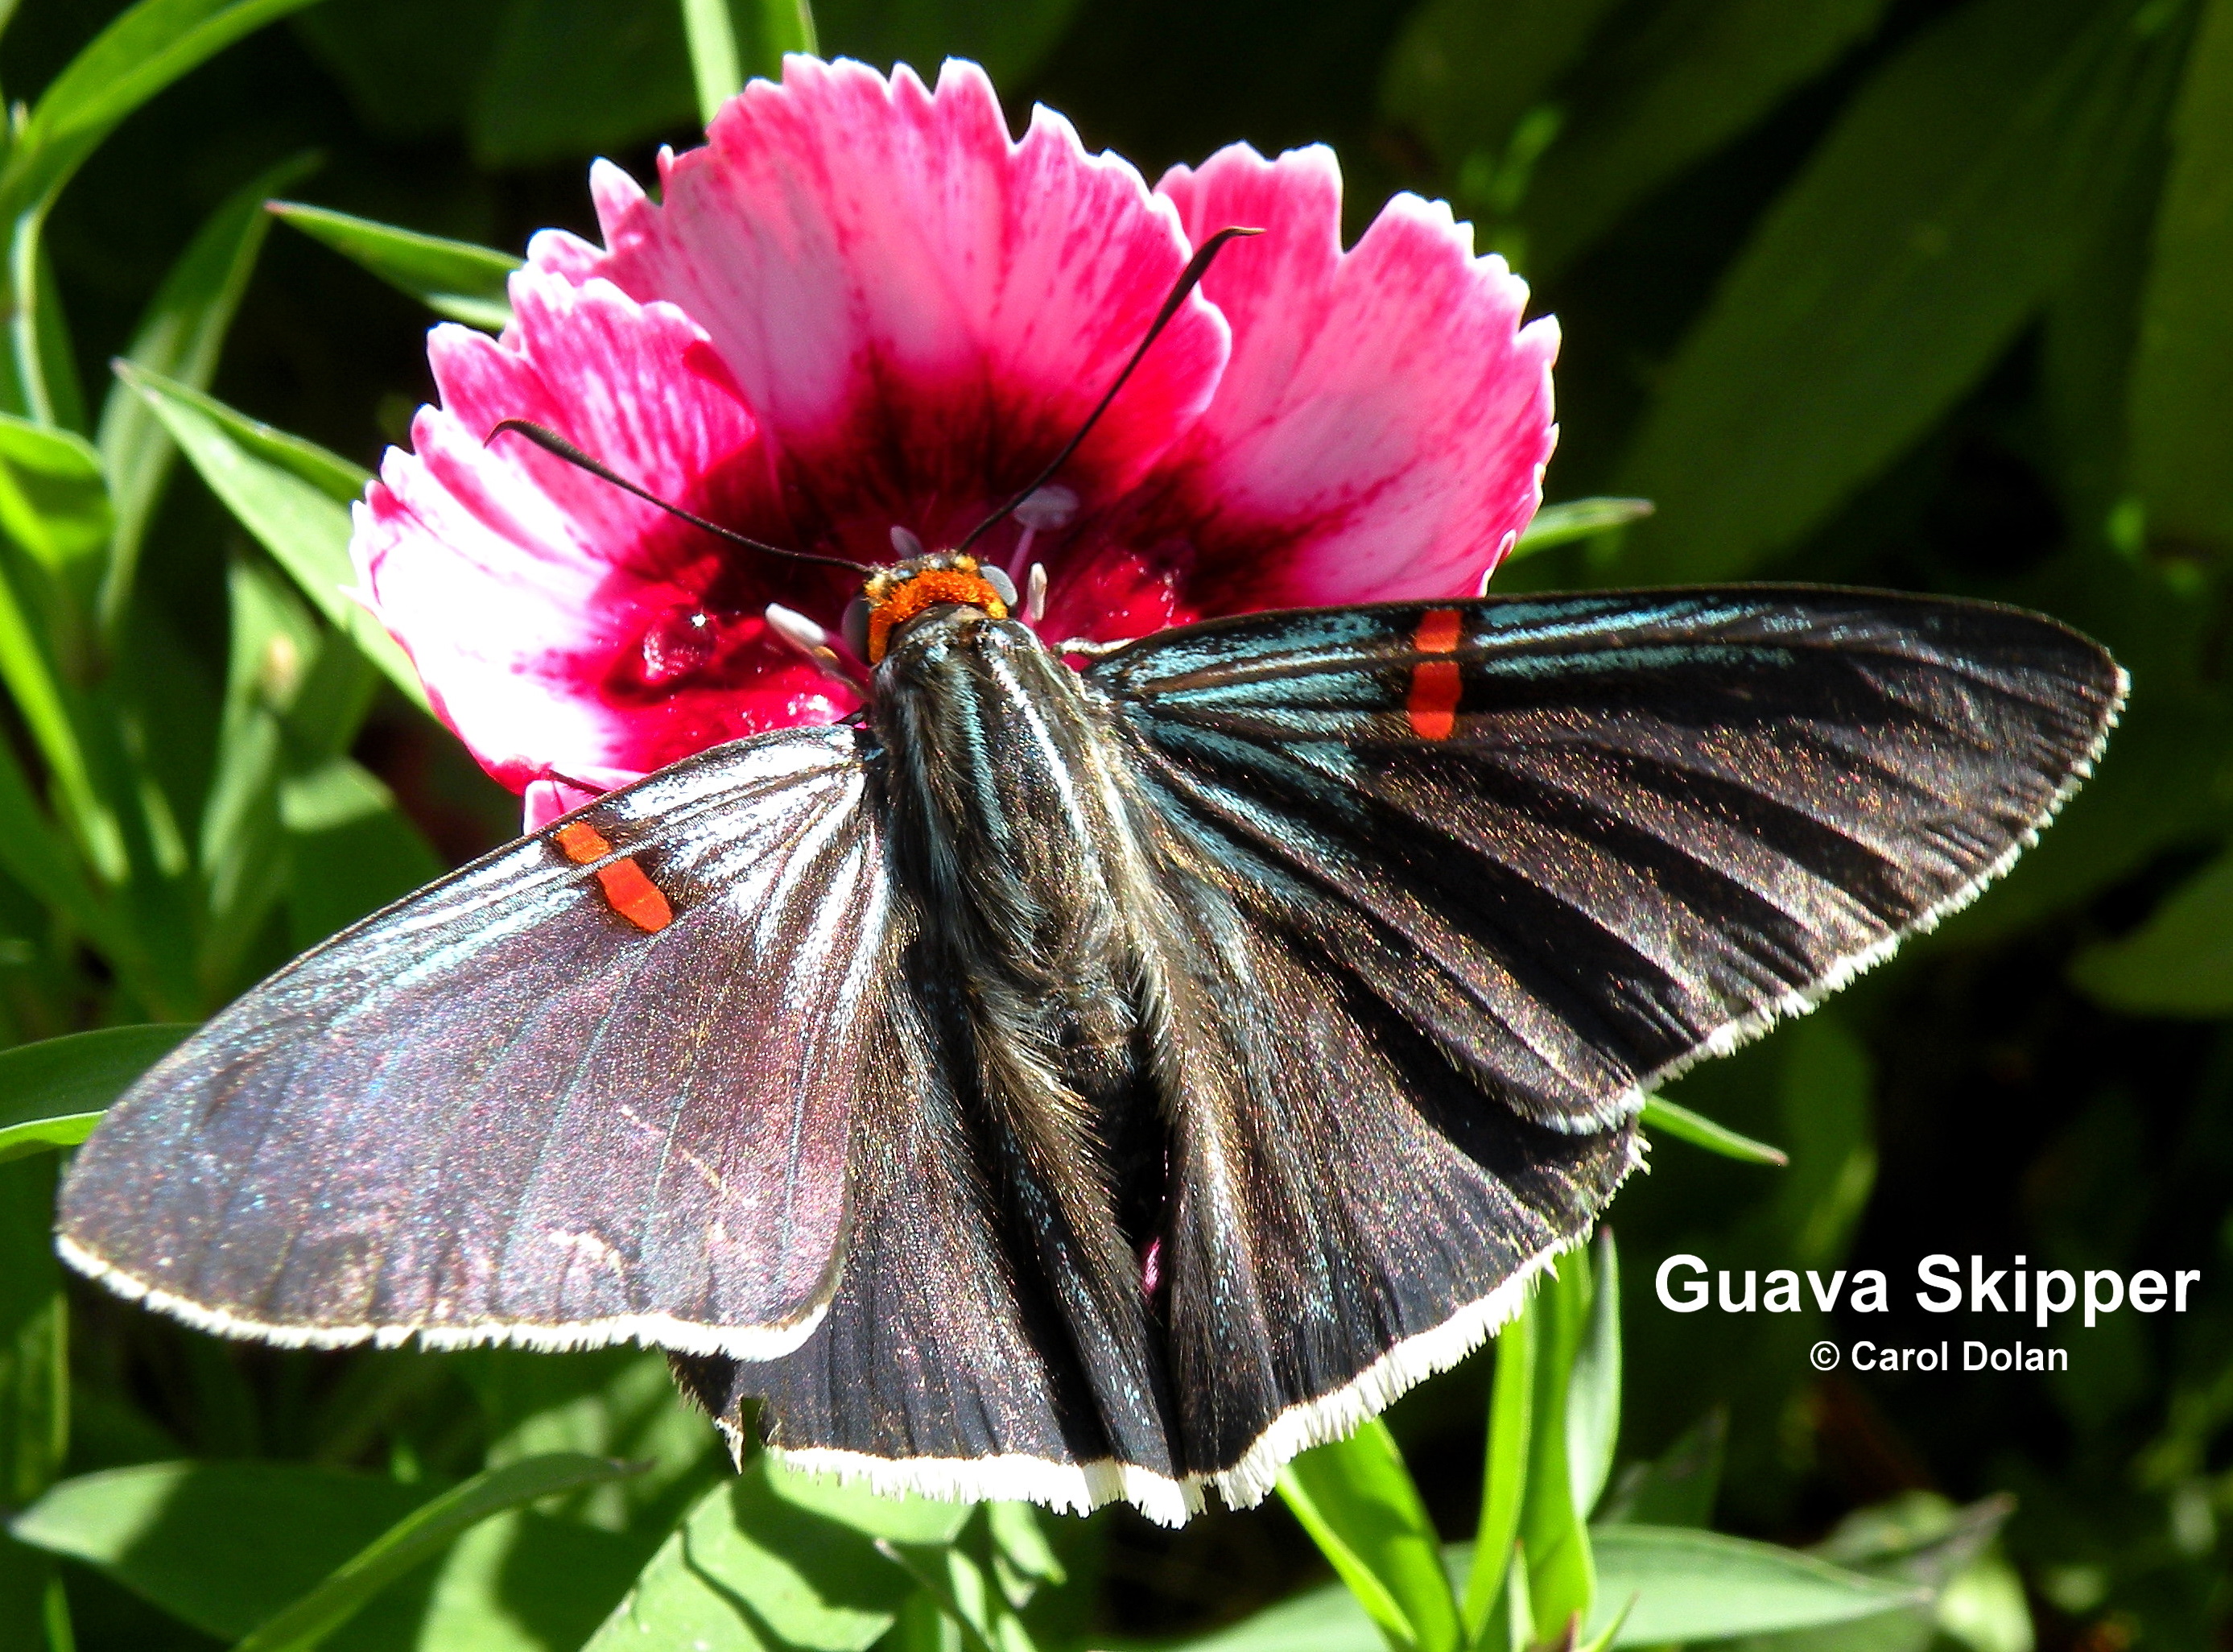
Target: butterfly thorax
point(1005, 823)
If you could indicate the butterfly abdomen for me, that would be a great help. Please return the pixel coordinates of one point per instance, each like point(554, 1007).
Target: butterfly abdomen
point(1007, 838)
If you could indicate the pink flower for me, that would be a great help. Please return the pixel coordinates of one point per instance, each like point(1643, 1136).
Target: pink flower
point(863, 306)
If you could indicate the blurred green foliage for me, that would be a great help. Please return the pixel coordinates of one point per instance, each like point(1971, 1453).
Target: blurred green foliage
point(1935, 294)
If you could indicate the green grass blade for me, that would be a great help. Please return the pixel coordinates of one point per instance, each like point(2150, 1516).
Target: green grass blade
point(1594, 1392)
point(52, 1092)
point(1562, 525)
point(1700, 1131)
point(284, 491)
point(1562, 1576)
point(417, 1539)
point(717, 59)
point(1910, 251)
point(1356, 1499)
point(128, 63)
point(2182, 384)
point(965, 1596)
point(731, 41)
point(1692, 1585)
point(1504, 1476)
point(455, 279)
point(43, 703)
point(180, 336)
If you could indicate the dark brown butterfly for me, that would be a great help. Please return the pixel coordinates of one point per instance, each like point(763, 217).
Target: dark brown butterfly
point(1083, 1085)
point(1102, 1083)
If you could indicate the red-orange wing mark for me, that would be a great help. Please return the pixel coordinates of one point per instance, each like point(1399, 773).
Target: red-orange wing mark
point(1434, 703)
point(632, 894)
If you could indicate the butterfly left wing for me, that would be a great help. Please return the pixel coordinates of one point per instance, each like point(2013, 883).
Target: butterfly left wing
point(1442, 889)
point(594, 1088)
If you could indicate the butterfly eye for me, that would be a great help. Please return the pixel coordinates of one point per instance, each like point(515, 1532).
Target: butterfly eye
point(1003, 587)
point(854, 627)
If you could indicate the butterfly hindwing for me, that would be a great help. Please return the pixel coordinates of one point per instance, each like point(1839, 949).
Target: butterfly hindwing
point(506, 1109)
point(1576, 842)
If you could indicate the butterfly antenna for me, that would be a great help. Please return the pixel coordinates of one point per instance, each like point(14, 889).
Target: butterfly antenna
point(1189, 279)
point(552, 442)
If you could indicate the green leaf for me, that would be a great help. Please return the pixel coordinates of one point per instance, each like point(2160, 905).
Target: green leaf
point(964, 1594)
point(1825, 1091)
point(1022, 1558)
point(274, 643)
point(1699, 1131)
point(129, 61)
point(773, 1558)
point(1678, 1488)
point(525, 1581)
point(180, 335)
point(1692, 1585)
point(328, 472)
point(1916, 243)
point(53, 1092)
point(1561, 524)
point(219, 1545)
point(1356, 1499)
point(417, 1539)
point(36, 857)
point(354, 851)
point(284, 491)
point(607, 1402)
point(1593, 1391)
point(1920, 1540)
point(1690, 76)
point(1561, 1572)
point(34, 1335)
point(54, 500)
point(1503, 1475)
point(2183, 373)
point(453, 278)
point(26, 1576)
point(47, 704)
point(733, 40)
point(2179, 962)
point(1327, 1619)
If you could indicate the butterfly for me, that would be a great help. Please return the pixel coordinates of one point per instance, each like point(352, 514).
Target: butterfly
point(1098, 1081)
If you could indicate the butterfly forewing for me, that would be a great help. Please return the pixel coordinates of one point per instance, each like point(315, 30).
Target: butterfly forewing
point(1576, 842)
point(535, 1104)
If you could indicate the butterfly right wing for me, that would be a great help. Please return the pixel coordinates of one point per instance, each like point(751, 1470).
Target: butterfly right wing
point(506, 1110)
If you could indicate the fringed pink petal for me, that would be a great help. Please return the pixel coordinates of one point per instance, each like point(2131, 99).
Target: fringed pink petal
point(919, 309)
point(563, 627)
point(1382, 427)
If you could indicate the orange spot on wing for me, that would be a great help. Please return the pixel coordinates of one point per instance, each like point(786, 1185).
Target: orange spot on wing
point(628, 891)
point(634, 896)
point(582, 842)
point(1435, 683)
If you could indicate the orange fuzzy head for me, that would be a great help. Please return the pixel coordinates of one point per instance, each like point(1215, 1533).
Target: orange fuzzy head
point(898, 594)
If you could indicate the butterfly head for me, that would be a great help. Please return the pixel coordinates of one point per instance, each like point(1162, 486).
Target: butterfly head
point(892, 595)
